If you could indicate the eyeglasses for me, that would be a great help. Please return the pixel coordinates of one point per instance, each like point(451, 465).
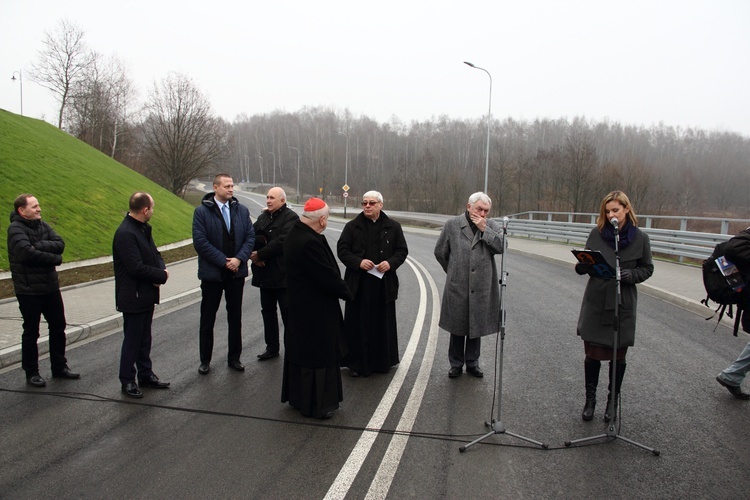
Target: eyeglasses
point(370, 203)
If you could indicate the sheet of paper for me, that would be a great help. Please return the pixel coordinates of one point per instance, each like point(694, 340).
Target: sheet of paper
point(374, 271)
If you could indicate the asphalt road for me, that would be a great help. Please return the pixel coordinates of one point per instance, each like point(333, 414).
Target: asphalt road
point(226, 435)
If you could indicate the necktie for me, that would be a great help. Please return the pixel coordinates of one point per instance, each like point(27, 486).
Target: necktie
point(225, 214)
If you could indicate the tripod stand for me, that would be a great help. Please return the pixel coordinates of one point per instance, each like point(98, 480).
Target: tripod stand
point(497, 425)
point(611, 431)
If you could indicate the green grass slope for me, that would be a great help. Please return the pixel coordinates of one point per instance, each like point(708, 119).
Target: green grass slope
point(83, 193)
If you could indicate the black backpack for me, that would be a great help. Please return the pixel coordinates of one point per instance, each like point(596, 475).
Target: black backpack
point(724, 285)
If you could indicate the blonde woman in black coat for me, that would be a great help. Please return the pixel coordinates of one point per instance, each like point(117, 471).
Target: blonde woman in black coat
point(596, 319)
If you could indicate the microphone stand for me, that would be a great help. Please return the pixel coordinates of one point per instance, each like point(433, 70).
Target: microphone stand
point(497, 425)
point(611, 431)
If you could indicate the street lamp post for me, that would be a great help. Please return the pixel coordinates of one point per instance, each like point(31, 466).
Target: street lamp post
point(274, 166)
point(20, 80)
point(246, 169)
point(346, 168)
point(297, 149)
point(489, 121)
point(260, 162)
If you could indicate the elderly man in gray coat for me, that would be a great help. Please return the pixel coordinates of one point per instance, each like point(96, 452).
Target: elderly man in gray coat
point(470, 309)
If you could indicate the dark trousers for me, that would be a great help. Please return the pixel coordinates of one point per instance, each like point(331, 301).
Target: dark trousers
point(269, 297)
point(211, 292)
point(32, 308)
point(136, 346)
point(462, 350)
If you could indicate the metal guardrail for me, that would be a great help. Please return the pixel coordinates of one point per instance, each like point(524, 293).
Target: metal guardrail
point(676, 243)
point(722, 224)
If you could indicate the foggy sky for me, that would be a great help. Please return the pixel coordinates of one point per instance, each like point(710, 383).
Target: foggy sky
point(681, 63)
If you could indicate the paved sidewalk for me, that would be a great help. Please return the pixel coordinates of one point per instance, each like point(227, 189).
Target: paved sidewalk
point(90, 308)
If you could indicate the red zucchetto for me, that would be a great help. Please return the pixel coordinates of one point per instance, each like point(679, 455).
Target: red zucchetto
point(314, 204)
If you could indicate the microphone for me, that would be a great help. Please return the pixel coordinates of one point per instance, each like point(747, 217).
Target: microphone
point(505, 222)
point(615, 222)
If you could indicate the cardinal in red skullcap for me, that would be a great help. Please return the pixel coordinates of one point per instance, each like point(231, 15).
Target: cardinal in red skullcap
point(314, 330)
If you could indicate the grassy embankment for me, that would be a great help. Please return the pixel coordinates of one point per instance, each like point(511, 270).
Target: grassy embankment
point(82, 192)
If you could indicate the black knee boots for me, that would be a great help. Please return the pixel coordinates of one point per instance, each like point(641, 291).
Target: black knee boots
point(591, 370)
point(611, 412)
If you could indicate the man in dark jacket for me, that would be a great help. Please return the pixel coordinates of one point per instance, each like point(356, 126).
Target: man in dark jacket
point(34, 249)
point(223, 237)
point(269, 272)
point(139, 271)
point(312, 340)
point(372, 246)
point(737, 251)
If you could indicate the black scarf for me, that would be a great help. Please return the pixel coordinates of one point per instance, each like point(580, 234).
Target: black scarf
point(627, 234)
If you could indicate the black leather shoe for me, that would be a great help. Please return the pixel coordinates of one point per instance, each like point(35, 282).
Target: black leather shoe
point(236, 365)
point(475, 370)
point(36, 381)
point(204, 368)
point(66, 373)
point(734, 390)
point(353, 373)
point(131, 390)
point(268, 355)
point(454, 372)
point(153, 382)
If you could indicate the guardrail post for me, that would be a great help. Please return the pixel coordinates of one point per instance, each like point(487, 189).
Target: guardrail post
point(725, 227)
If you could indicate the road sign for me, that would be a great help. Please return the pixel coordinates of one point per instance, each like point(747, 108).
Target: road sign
point(346, 195)
point(345, 187)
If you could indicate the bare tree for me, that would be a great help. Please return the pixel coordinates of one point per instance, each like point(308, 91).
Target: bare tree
point(182, 137)
point(580, 162)
point(100, 105)
point(62, 62)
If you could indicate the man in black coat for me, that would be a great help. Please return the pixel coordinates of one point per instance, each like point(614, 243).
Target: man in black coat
point(372, 247)
point(34, 249)
point(269, 272)
point(139, 271)
point(313, 337)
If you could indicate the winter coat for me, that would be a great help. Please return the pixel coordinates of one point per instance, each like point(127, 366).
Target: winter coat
point(471, 297)
point(596, 319)
point(737, 250)
point(34, 249)
point(270, 231)
point(209, 232)
point(351, 251)
point(138, 267)
point(314, 329)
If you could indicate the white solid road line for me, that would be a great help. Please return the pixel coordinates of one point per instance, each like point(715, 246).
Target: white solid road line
point(353, 464)
point(390, 462)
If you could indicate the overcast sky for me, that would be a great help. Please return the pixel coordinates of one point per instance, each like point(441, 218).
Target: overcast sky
point(685, 63)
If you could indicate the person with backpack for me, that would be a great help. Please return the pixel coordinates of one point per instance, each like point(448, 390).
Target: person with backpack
point(596, 321)
point(737, 250)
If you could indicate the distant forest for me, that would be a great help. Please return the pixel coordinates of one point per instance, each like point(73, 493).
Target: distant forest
point(550, 165)
point(429, 166)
